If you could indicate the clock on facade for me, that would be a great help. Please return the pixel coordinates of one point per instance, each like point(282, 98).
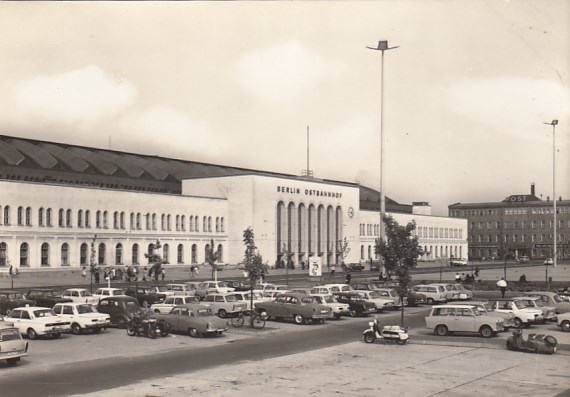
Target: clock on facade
point(350, 212)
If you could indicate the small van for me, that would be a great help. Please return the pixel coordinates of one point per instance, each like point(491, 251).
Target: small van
point(433, 293)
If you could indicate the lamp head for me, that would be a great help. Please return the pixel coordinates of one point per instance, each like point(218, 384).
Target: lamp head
point(554, 122)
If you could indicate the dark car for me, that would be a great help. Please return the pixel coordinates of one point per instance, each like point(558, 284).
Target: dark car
point(237, 285)
point(355, 267)
point(12, 299)
point(120, 308)
point(363, 286)
point(357, 305)
point(46, 297)
point(145, 295)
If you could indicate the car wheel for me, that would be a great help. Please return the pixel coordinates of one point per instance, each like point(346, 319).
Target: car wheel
point(441, 330)
point(486, 331)
point(353, 313)
point(32, 334)
point(565, 326)
point(151, 332)
point(222, 313)
point(299, 319)
point(76, 329)
point(193, 332)
point(157, 311)
point(518, 323)
point(97, 330)
point(430, 301)
point(121, 322)
point(336, 316)
point(131, 331)
point(401, 341)
point(55, 336)
point(13, 361)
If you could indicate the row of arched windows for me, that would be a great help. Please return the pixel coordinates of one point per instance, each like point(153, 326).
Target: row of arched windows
point(64, 219)
point(101, 254)
point(430, 252)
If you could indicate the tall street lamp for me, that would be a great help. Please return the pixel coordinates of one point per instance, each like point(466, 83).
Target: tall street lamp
point(382, 47)
point(553, 123)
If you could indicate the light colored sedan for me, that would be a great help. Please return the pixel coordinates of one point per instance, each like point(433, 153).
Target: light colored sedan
point(378, 300)
point(12, 346)
point(564, 321)
point(80, 295)
point(338, 309)
point(82, 316)
point(35, 321)
point(172, 301)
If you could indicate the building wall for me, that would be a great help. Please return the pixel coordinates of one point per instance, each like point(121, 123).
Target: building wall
point(440, 237)
point(21, 203)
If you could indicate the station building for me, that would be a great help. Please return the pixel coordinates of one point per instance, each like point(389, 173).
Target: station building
point(519, 225)
point(65, 206)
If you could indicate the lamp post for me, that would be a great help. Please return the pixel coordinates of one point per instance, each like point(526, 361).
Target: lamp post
point(382, 46)
point(553, 123)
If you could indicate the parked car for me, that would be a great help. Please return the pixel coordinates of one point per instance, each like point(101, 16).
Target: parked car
point(451, 294)
point(82, 316)
point(508, 318)
point(237, 285)
point(245, 297)
point(161, 289)
point(35, 321)
point(80, 295)
point(444, 319)
point(548, 312)
point(523, 259)
point(224, 304)
point(524, 316)
point(363, 286)
point(357, 305)
point(172, 301)
point(464, 293)
point(104, 292)
point(145, 296)
point(300, 307)
point(268, 296)
point(551, 299)
point(329, 289)
point(216, 287)
point(120, 308)
point(195, 320)
point(564, 321)
point(416, 299)
point(391, 293)
point(338, 309)
point(548, 261)
point(381, 302)
point(45, 297)
point(12, 346)
point(12, 299)
point(458, 262)
point(433, 293)
point(355, 267)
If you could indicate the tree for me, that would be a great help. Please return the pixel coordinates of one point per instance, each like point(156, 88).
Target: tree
point(211, 258)
point(343, 251)
point(155, 261)
point(400, 251)
point(253, 262)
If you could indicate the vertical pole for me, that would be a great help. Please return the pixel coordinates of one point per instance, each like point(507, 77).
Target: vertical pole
point(308, 151)
point(554, 187)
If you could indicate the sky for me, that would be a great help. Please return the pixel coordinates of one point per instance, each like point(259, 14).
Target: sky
point(466, 93)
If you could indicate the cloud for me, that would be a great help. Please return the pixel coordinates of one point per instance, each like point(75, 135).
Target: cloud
point(510, 105)
point(84, 95)
point(284, 72)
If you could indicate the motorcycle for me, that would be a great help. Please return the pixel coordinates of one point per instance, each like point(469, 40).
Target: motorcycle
point(543, 344)
point(388, 332)
point(140, 325)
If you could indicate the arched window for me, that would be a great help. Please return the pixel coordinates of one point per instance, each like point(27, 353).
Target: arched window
point(205, 224)
point(80, 218)
point(87, 218)
point(182, 223)
point(217, 225)
point(153, 221)
point(60, 219)
point(48, 218)
point(166, 253)
point(180, 254)
point(122, 220)
point(209, 224)
point(163, 222)
point(7, 215)
point(222, 227)
point(45, 254)
point(138, 224)
point(41, 216)
point(3, 254)
point(147, 221)
point(194, 258)
point(150, 251)
point(105, 219)
point(135, 254)
point(24, 254)
point(65, 254)
point(362, 252)
point(119, 254)
point(101, 254)
point(28, 216)
point(168, 226)
point(191, 223)
point(220, 253)
point(68, 218)
point(115, 220)
point(132, 221)
point(83, 254)
point(20, 216)
point(206, 249)
point(98, 219)
point(177, 223)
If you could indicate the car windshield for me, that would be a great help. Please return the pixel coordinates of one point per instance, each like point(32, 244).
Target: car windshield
point(50, 294)
point(307, 299)
point(85, 293)
point(231, 298)
point(82, 309)
point(43, 313)
point(204, 313)
point(373, 295)
point(161, 288)
point(557, 298)
point(356, 298)
point(318, 299)
point(521, 304)
point(118, 292)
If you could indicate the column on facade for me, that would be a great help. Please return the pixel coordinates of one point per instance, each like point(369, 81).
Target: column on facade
point(292, 235)
point(321, 233)
point(312, 231)
point(302, 234)
point(338, 235)
point(281, 226)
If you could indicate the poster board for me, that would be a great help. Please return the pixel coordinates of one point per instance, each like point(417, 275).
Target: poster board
point(315, 268)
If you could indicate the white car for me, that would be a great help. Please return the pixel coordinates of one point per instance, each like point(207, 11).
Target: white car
point(106, 292)
point(180, 289)
point(12, 346)
point(35, 321)
point(224, 304)
point(329, 289)
point(564, 321)
point(80, 295)
point(524, 316)
point(217, 287)
point(338, 309)
point(161, 289)
point(174, 300)
point(548, 312)
point(245, 296)
point(82, 316)
point(374, 297)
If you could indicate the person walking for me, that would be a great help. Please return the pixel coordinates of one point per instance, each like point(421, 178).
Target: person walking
point(502, 284)
point(333, 269)
point(83, 272)
point(457, 277)
point(476, 271)
point(348, 276)
point(96, 275)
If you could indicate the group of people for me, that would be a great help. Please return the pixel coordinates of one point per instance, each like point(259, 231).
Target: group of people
point(468, 278)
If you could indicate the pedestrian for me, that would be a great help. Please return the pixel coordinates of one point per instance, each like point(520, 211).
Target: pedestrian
point(463, 277)
point(502, 284)
point(457, 277)
point(333, 269)
point(348, 276)
point(476, 271)
point(145, 270)
point(83, 272)
point(163, 274)
point(96, 276)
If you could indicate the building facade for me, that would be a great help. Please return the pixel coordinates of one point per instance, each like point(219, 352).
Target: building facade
point(65, 206)
point(520, 225)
